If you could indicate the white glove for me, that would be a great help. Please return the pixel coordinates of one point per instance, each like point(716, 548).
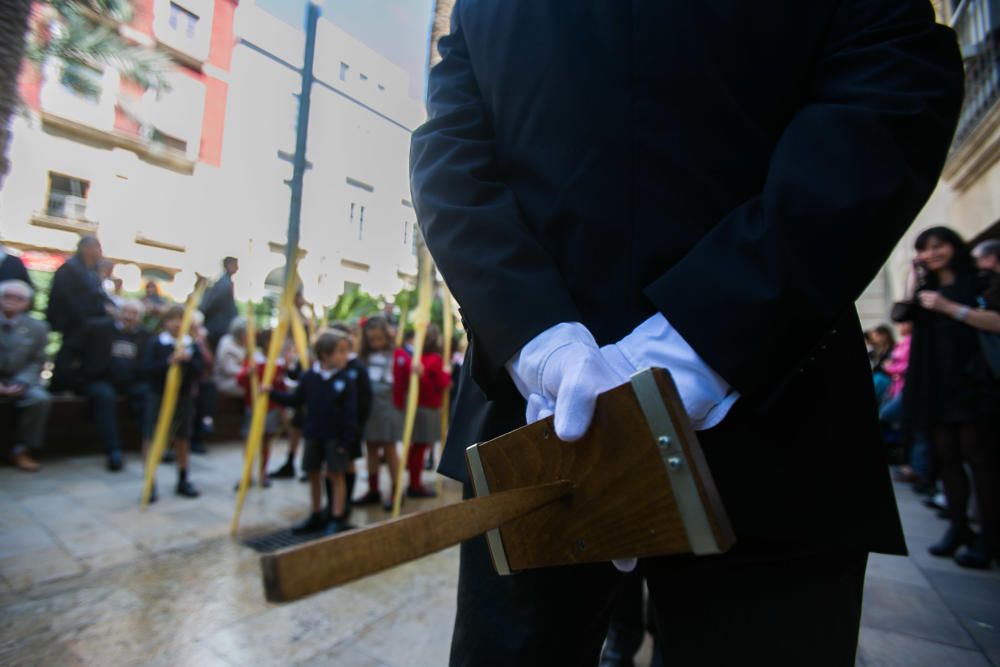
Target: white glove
point(561, 371)
point(706, 396)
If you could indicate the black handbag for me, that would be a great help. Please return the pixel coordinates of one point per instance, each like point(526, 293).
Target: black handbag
point(903, 311)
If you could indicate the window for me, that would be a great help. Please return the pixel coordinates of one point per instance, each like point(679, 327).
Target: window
point(361, 224)
point(82, 80)
point(364, 77)
point(182, 21)
point(67, 197)
point(406, 232)
point(381, 88)
point(344, 67)
point(169, 141)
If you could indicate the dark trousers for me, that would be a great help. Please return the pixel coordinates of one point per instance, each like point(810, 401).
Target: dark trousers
point(628, 625)
point(204, 407)
point(103, 397)
point(973, 443)
point(762, 604)
point(31, 411)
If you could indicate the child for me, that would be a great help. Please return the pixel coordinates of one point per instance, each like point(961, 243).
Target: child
point(272, 421)
point(330, 399)
point(160, 353)
point(294, 371)
point(434, 381)
point(384, 427)
point(357, 372)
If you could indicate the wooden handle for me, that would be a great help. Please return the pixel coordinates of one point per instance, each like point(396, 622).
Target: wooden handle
point(296, 572)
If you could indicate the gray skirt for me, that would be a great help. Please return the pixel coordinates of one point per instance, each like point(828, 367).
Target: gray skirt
point(427, 425)
point(386, 422)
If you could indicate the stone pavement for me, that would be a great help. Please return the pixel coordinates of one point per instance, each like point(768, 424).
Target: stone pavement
point(86, 578)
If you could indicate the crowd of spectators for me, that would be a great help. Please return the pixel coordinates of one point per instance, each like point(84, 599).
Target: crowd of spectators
point(342, 397)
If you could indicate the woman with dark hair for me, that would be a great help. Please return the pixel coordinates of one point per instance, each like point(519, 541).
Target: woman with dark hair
point(950, 395)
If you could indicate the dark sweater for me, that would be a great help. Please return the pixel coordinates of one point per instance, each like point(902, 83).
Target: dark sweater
point(358, 372)
point(126, 356)
point(331, 405)
point(156, 363)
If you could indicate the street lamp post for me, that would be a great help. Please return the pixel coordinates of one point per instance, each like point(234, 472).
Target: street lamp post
point(301, 135)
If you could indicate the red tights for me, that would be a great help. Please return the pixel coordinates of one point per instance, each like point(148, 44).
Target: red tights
point(415, 464)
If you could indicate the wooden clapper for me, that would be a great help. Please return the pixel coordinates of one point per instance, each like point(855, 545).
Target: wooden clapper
point(636, 485)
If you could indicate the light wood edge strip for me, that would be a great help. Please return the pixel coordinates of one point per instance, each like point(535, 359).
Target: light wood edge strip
point(494, 539)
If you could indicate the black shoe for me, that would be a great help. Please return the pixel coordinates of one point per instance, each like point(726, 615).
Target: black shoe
point(304, 478)
point(168, 456)
point(115, 461)
point(975, 558)
point(315, 523)
point(387, 503)
point(419, 493)
point(186, 489)
point(952, 540)
point(153, 495)
point(286, 471)
point(370, 498)
point(199, 448)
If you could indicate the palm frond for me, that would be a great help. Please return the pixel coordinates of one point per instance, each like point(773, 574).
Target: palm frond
point(77, 39)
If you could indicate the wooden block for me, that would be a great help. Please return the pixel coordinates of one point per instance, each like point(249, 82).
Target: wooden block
point(636, 485)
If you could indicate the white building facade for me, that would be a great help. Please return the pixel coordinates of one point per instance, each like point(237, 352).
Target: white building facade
point(357, 222)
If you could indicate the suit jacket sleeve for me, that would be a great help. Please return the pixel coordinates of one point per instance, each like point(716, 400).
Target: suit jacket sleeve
point(470, 220)
point(852, 169)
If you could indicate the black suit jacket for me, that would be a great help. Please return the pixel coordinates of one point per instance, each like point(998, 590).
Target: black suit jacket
point(743, 168)
point(75, 297)
point(219, 306)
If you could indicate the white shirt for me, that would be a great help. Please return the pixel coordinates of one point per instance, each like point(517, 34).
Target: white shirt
point(707, 397)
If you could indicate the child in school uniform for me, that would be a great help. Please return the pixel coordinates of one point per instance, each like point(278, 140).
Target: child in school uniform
point(434, 382)
point(160, 352)
point(384, 427)
point(330, 398)
point(357, 372)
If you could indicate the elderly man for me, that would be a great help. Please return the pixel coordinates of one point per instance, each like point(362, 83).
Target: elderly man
point(22, 354)
point(120, 374)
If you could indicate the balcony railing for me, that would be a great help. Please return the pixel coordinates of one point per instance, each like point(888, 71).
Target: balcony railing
point(976, 23)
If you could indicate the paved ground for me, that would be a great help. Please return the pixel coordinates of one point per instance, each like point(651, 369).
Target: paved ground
point(86, 578)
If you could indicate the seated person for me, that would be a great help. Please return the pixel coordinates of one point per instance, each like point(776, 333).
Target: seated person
point(120, 375)
point(22, 355)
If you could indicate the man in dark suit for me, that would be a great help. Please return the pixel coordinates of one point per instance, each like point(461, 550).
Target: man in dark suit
point(707, 187)
point(22, 355)
point(219, 303)
point(81, 311)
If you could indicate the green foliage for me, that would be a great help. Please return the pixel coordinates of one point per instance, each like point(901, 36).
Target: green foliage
point(352, 305)
point(74, 37)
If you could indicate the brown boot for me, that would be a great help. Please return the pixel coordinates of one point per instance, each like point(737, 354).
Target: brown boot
point(22, 461)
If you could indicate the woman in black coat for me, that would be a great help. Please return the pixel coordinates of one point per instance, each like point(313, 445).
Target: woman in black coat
point(951, 396)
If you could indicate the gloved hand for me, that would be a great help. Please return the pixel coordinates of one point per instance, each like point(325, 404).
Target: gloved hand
point(561, 371)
